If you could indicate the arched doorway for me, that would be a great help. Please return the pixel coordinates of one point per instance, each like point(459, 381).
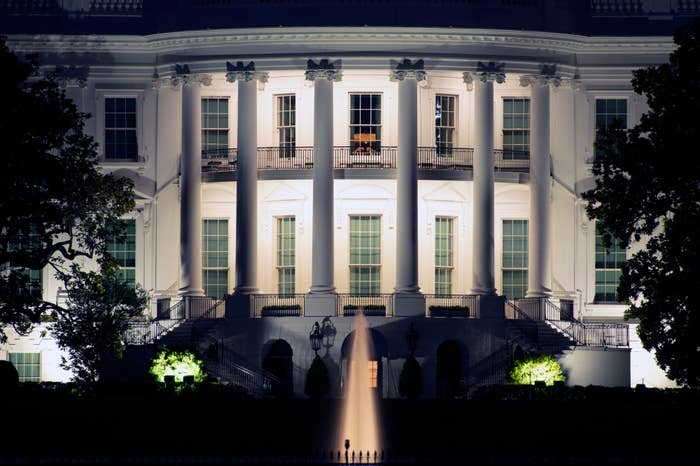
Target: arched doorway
point(278, 362)
point(377, 351)
point(448, 370)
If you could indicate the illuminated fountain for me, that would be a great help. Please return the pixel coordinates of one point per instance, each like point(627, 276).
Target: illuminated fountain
point(359, 421)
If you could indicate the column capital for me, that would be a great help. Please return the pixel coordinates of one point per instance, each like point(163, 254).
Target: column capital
point(407, 69)
point(488, 72)
point(324, 69)
point(70, 75)
point(182, 76)
point(244, 73)
point(548, 76)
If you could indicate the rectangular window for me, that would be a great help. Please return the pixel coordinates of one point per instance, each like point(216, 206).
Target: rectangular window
point(121, 245)
point(515, 260)
point(214, 127)
point(445, 112)
point(365, 254)
point(120, 128)
point(443, 255)
point(373, 373)
point(607, 111)
point(29, 242)
point(365, 123)
point(516, 128)
point(608, 268)
point(286, 124)
point(28, 366)
point(215, 257)
point(286, 255)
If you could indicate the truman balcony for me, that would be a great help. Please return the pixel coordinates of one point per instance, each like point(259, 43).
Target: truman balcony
point(298, 162)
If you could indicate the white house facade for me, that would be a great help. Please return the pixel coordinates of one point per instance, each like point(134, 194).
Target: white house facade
point(427, 174)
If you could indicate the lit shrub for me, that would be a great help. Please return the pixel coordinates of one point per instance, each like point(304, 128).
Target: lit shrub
point(178, 364)
point(533, 368)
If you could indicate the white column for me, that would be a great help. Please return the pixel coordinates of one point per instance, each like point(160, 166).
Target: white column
point(539, 244)
point(322, 235)
point(247, 188)
point(483, 282)
point(190, 185)
point(408, 300)
point(407, 190)
point(321, 300)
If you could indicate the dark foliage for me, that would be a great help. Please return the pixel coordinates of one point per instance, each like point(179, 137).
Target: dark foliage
point(410, 380)
point(317, 380)
point(55, 205)
point(647, 194)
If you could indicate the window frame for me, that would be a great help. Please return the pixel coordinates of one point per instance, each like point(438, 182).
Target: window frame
point(594, 112)
point(122, 268)
point(372, 146)
point(218, 269)
point(21, 368)
point(374, 269)
point(447, 269)
point(283, 269)
point(606, 253)
point(511, 268)
point(209, 153)
point(447, 148)
point(510, 154)
point(100, 124)
point(287, 149)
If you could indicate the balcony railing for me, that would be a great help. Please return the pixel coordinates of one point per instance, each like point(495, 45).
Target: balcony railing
point(456, 305)
point(302, 158)
point(274, 305)
point(375, 305)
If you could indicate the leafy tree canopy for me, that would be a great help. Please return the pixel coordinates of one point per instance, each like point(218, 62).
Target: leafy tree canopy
point(648, 193)
point(55, 205)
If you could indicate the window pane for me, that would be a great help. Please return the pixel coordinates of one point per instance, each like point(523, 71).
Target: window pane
point(215, 257)
point(516, 128)
point(365, 254)
point(120, 128)
point(514, 263)
point(608, 267)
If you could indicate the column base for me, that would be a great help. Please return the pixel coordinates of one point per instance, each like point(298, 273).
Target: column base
point(408, 304)
point(484, 291)
point(491, 307)
point(190, 292)
point(239, 305)
point(320, 304)
point(539, 293)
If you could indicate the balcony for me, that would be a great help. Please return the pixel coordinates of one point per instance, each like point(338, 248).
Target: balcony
point(222, 161)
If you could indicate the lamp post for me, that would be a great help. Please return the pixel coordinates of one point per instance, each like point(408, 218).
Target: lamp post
point(328, 332)
point(316, 338)
point(412, 338)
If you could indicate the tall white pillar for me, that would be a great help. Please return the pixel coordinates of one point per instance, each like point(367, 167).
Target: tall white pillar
point(483, 268)
point(539, 247)
point(247, 178)
point(190, 182)
point(321, 300)
point(407, 297)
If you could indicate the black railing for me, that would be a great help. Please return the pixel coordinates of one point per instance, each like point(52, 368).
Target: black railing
point(203, 307)
point(275, 305)
point(230, 367)
point(458, 305)
point(491, 370)
point(456, 158)
point(146, 332)
point(345, 157)
point(281, 158)
point(220, 160)
point(511, 161)
point(374, 305)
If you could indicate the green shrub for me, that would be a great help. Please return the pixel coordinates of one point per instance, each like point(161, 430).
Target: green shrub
point(535, 368)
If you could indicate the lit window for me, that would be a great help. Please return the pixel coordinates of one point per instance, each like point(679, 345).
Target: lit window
point(215, 257)
point(608, 111)
point(445, 111)
point(444, 263)
point(215, 127)
point(365, 123)
point(286, 124)
point(286, 256)
point(373, 373)
point(608, 268)
point(28, 366)
point(121, 245)
point(515, 260)
point(365, 255)
point(120, 128)
point(516, 128)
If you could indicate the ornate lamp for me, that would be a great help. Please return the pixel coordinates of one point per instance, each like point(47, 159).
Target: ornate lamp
point(316, 338)
point(328, 331)
point(412, 338)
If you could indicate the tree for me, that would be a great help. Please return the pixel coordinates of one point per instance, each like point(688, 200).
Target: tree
point(410, 380)
point(647, 195)
point(55, 205)
point(317, 381)
point(533, 368)
point(98, 308)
